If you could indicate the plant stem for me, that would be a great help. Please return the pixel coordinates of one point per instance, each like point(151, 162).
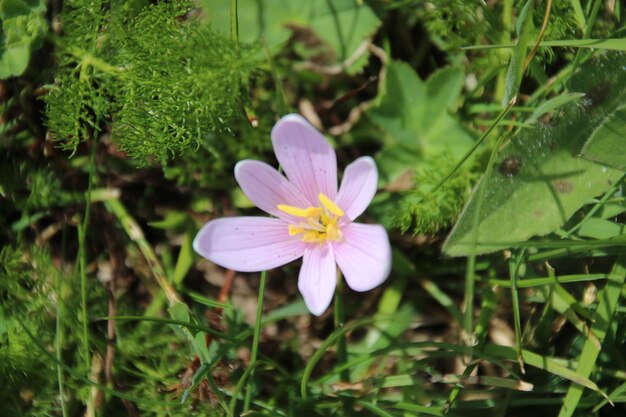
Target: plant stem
point(234, 24)
point(470, 280)
point(514, 266)
point(470, 275)
point(58, 346)
point(339, 316)
point(82, 262)
point(283, 104)
point(507, 14)
point(255, 340)
point(342, 351)
point(134, 232)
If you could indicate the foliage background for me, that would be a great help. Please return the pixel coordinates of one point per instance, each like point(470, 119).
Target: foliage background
point(501, 185)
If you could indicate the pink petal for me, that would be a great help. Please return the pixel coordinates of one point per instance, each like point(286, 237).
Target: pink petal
point(318, 277)
point(364, 256)
point(358, 187)
point(248, 244)
point(306, 156)
point(267, 188)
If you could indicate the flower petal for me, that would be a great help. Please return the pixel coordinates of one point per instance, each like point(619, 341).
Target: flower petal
point(318, 278)
point(358, 187)
point(267, 188)
point(306, 156)
point(364, 256)
point(248, 244)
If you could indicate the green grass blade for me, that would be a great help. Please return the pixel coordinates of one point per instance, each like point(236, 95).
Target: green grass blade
point(612, 397)
point(609, 298)
point(319, 353)
point(181, 323)
point(514, 267)
point(542, 362)
point(255, 340)
point(374, 409)
point(579, 14)
point(610, 44)
point(443, 299)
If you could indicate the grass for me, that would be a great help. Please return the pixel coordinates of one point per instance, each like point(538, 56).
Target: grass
point(98, 276)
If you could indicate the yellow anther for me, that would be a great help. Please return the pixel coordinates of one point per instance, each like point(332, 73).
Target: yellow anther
point(319, 223)
point(311, 236)
point(332, 231)
point(295, 230)
point(300, 212)
point(314, 212)
point(330, 205)
point(312, 223)
point(294, 211)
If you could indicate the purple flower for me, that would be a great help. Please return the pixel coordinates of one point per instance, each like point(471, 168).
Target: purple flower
point(312, 219)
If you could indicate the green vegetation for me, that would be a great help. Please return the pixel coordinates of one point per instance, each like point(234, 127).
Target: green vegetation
point(498, 129)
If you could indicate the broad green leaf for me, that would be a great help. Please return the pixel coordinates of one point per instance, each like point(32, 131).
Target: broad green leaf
point(443, 88)
point(23, 27)
point(539, 180)
point(13, 8)
point(607, 145)
point(341, 25)
point(394, 160)
point(415, 117)
point(612, 210)
point(597, 228)
point(14, 60)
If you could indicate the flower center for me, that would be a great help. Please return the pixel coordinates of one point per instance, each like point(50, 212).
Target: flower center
point(319, 224)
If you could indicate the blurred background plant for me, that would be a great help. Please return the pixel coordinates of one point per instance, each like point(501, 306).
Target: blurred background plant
point(121, 122)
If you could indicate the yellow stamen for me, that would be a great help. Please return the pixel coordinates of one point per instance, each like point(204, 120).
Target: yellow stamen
point(311, 236)
point(332, 231)
point(295, 230)
point(330, 205)
point(299, 212)
point(319, 224)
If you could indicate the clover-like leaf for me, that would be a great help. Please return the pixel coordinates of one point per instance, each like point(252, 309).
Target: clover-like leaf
point(23, 27)
point(415, 115)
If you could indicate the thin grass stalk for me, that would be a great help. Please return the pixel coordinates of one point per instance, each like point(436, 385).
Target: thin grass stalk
point(339, 320)
point(58, 335)
point(255, 341)
point(479, 142)
point(517, 321)
point(283, 104)
point(470, 275)
point(82, 264)
point(591, 20)
point(135, 233)
point(470, 281)
point(609, 298)
point(507, 24)
point(234, 23)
